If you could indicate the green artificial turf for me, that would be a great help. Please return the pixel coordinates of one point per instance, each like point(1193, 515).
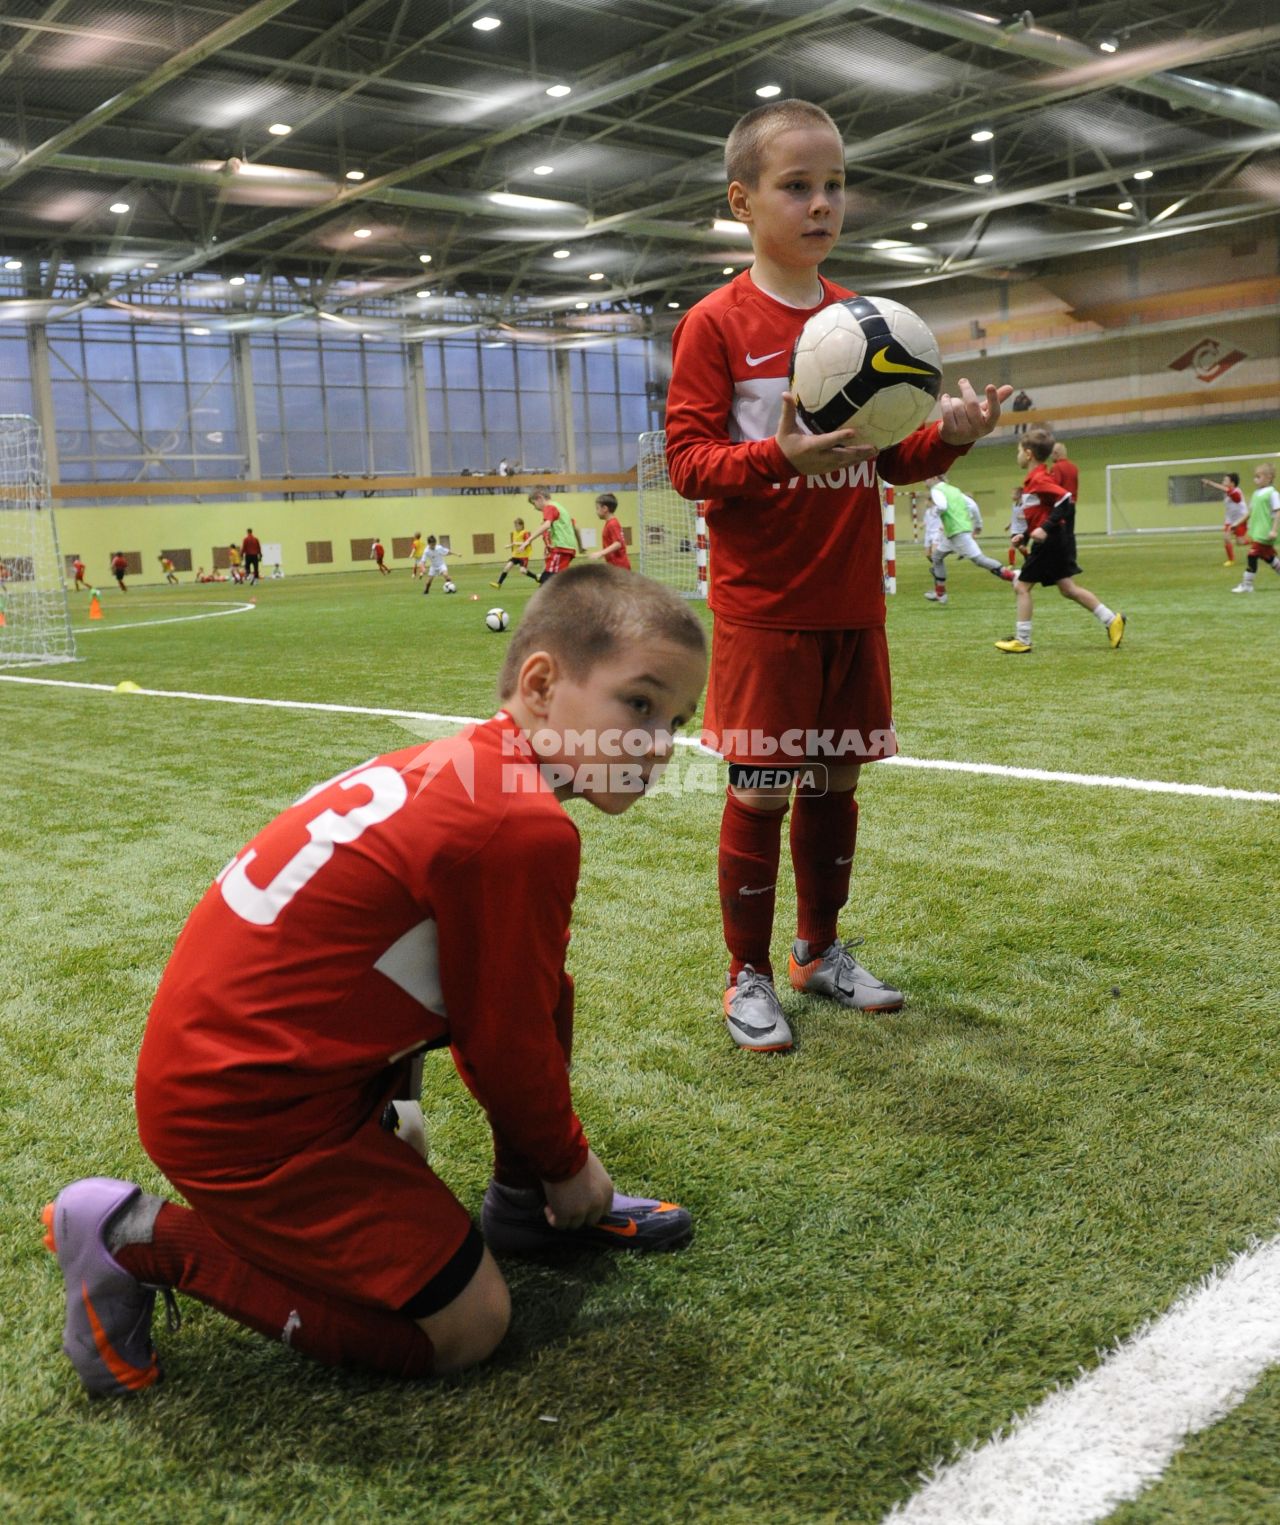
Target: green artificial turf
point(908, 1230)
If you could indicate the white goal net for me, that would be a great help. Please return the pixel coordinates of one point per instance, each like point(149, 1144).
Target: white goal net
point(673, 533)
point(1164, 497)
point(33, 597)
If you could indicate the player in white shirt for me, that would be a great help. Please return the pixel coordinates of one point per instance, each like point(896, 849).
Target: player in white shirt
point(1235, 513)
point(434, 562)
point(959, 519)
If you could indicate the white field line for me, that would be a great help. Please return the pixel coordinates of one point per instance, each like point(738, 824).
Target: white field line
point(1090, 1447)
point(992, 770)
point(177, 619)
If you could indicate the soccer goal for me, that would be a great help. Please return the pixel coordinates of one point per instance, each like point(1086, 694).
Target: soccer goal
point(673, 533)
point(1166, 497)
point(35, 623)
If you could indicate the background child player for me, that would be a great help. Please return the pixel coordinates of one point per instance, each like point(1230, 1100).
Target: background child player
point(518, 559)
point(166, 566)
point(1049, 512)
point(356, 931)
point(119, 566)
point(77, 567)
point(558, 533)
point(415, 553)
point(1264, 519)
point(1235, 513)
point(251, 550)
point(435, 562)
point(958, 518)
point(613, 543)
point(379, 554)
point(799, 639)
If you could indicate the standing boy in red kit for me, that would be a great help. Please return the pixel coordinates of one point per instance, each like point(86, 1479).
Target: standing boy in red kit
point(799, 641)
point(361, 928)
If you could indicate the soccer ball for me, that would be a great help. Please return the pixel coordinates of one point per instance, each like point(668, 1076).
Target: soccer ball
point(450, 586)
point(866, 363)
point(497, 620)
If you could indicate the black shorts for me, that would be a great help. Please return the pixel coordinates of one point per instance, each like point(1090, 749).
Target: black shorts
point(1049, 561)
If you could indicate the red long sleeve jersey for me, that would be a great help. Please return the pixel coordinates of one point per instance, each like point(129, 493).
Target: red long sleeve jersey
point(370, 918)
point(789, 552)
point(1045, 499)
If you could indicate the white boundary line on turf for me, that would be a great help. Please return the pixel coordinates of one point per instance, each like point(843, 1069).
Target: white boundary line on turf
point(991, 770)
point(177, 619)
point(1091, 1446)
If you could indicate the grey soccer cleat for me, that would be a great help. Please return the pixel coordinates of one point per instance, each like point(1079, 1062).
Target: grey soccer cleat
point(753, 1014)
point(839, 976)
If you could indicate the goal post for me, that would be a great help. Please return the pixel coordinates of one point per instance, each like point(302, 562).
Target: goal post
point(1168, 497)
point(35, 622)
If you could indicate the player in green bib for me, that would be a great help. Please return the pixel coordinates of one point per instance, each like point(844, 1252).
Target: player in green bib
point(959, 515)
point(1264, 522)
point(558, 532)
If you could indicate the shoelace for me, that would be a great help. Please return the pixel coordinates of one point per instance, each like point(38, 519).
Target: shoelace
point(756, 984)
point(846, 967)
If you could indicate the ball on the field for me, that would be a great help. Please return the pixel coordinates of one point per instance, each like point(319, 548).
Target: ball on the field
point(497, 620)
point(866, 363)
point(450, 586)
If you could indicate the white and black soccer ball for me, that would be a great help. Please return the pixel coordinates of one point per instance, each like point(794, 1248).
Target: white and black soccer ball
point(866, 363)
point(450, 586)
point(497, 620)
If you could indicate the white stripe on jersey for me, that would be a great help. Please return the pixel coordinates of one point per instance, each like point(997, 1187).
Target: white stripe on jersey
point(413, 963)
point(757, 408)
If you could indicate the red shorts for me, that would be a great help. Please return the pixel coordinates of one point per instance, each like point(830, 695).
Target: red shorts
point(1239, 529)
point(1263, 548)
point(364, 1219)
point(557, 559)
point(792, 687)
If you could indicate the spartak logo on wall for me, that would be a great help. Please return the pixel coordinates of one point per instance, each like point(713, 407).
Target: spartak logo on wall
point(1209, 359)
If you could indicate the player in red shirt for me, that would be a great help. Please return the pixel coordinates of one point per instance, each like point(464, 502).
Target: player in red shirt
point(1235, 513)
point(379, 552)
point(77, 566)
point(251, 550)
point(119, 566)
point(370, 923)
point(799, 648)
point(1049, 513)
point(1065, 471)
point(613, 543)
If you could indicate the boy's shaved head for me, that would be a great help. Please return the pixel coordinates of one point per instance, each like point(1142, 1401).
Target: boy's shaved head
point(744, 151)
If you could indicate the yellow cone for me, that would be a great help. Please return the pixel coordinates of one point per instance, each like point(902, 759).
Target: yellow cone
point(127, 687)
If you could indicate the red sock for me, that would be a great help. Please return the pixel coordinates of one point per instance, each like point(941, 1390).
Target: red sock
point(750, 846)
point(184, 1254)
point(1013, 556)
point(824, 834)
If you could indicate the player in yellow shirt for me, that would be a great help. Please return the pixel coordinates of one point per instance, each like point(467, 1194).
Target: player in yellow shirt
point(415, 551)
point(518, 558)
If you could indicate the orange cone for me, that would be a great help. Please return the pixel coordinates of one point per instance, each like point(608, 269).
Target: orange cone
point(2, 619)
point(95, 608)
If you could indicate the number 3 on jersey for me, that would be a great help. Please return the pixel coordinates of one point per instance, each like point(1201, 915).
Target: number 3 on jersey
point(262, 906)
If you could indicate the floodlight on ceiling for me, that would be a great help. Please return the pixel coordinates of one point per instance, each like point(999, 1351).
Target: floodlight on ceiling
point(544, 169)
point(1109, 45)
point(363, 233)
point(13, 264)
point(152, 264)
point(890, 243)
point(767, 92)
point(724, 225)
point(596, 275)
point(558, 92)
point(422, 295)
point(983, 179)
point(424, 259)
point(983, 135)
point(919, 227)
point(519, 203)
point(1124, 206)
point(728, 270)
point(1143, 174)
point(582, 306)
point(560, 254)
point(673, 304)
point(200, 333)
point(119, 207)
point(487, 23)
point(355, 174)
point(279, 129)
point(236, 280)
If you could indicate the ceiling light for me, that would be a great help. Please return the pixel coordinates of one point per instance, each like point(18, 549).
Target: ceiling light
point(676, 304)
point(983, 179)
point(919, 227)
point(559, 254)
point(486, 23)
point(13, 264)
point(596, 275)
point(423, 295)
point(279, 129)
point(373, 338)
point(355, 174)
point(889, 243)
point(559, 91)
point(363, 233)
point(544, 169)
point(1124, 206)
point(236, 280)
point(581, 306)
point(724, 225)
point(1108, 45)
point(119, 207)
point(152, 264)
point(769, 91)
point(524, 203)
point(424, 259)
point(728, 270)
point(1143, 174)
point(200, 333)
point(983, 135)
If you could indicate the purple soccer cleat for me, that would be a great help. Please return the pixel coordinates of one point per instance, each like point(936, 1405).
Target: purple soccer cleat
point(513, 1223)
point(107, 1335)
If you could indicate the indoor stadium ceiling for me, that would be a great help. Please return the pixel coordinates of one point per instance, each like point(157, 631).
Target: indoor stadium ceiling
point(561, 169)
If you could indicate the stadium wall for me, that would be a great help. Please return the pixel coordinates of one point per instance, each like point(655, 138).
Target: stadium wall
point(203, 529)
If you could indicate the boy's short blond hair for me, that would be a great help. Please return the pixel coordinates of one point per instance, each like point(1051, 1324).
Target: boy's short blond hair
point(1268, 468)
point(1039, 442)
point(586, 614)
point(539, 492)
point(745, 146)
